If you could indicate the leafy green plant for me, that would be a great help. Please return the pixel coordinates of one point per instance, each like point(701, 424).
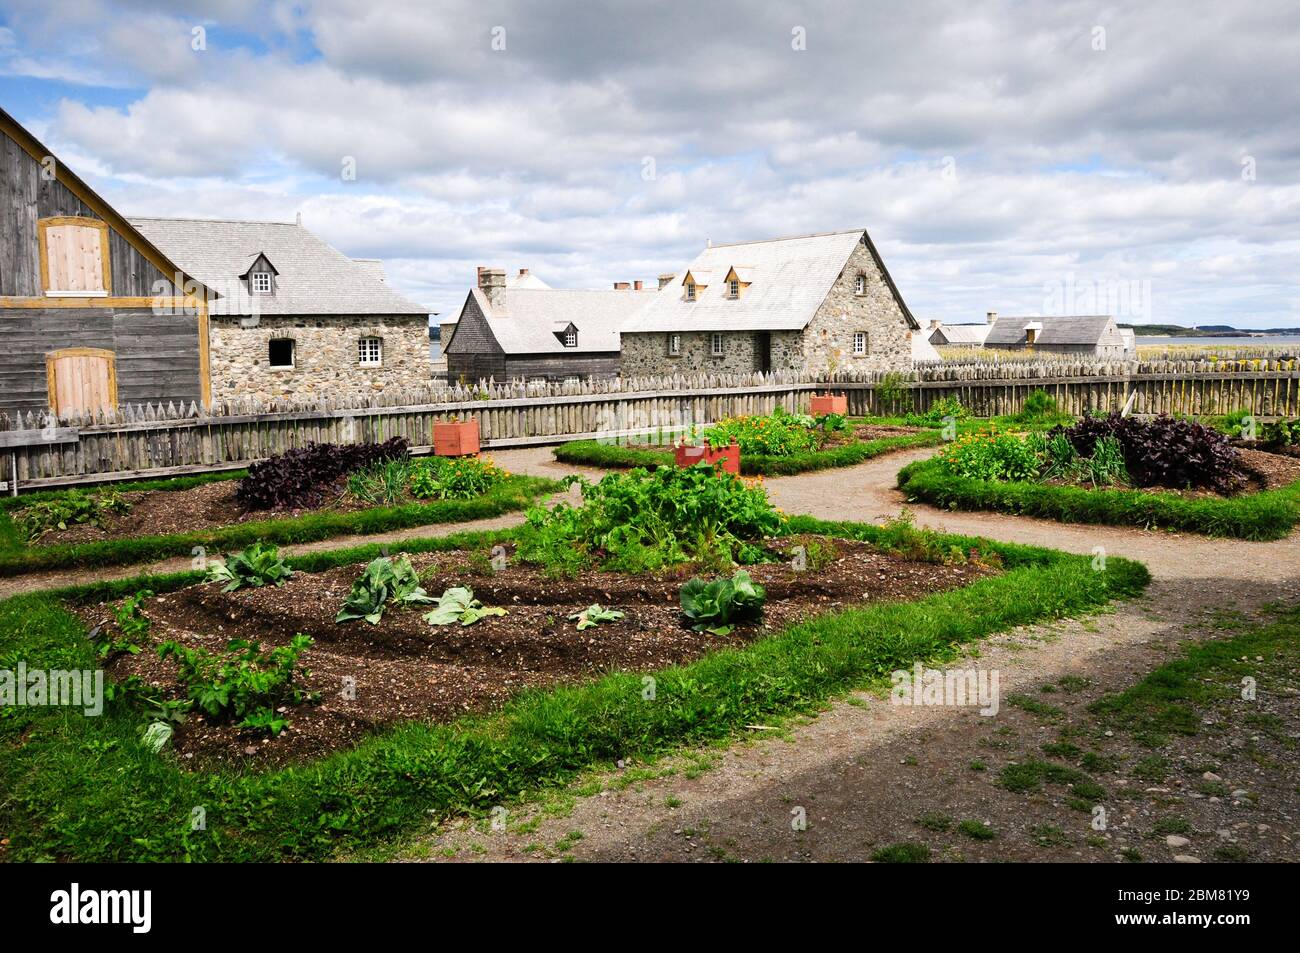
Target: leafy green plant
point(70, 509)
point(132, 625)
point(1038, 405)
point(594, 615)
point(459, 605)
point(455, 478)
point(715, 607)
point(258, 565)
point(381, 483)
point(893, 394)
point(778, 434)
point(990, 455)
point(938, 412)
point(383, 581)
point(645, 520)
point(243, 682)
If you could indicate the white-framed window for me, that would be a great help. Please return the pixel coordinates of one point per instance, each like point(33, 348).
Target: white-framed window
point(571, 337)
point(859, 343)
point(733, 288)
point(674, 345)
point(370, 352)
point(860, 286)
point(260, 282)
point(280, 353)
point(690, 291)
point(715, 343)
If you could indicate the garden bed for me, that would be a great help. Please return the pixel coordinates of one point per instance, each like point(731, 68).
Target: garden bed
point(139, 522)
point(406, 669)
point(866, 440)
point(86, 789)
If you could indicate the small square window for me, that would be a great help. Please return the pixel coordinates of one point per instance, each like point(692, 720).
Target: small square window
point(571, 338)
point(281, 353)
point(370, 352)
point(859, 343)
point(717, 344)
point(261, 282)
point(674, 344)
point(861, 285)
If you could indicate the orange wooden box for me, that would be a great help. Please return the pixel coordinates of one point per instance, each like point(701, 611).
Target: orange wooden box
point(830, 404)
point(455, 438)
point(687, 456)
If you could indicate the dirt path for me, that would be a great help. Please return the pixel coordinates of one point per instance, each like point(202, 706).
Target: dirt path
point(865, 771)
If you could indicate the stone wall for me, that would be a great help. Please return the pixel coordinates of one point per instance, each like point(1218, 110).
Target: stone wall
point(326, 357)
point(647, 354)
point(829, 336)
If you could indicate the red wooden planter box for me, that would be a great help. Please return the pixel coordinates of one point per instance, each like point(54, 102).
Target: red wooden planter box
point(685, 455)
point(455, 439)
point(830, 404)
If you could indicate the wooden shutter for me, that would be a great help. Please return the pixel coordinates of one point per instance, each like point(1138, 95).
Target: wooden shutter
point(82, 380)
point(75, 256)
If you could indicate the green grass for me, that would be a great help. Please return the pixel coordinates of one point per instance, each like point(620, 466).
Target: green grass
point(80, 788)
point(1269, 514)
point(515, 493)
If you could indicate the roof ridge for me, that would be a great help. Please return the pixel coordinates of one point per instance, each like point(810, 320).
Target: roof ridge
point(220, 221)
point(788, 238)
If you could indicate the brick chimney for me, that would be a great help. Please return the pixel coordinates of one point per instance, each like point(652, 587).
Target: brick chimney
point(991, 317)
point(492, 281)
point(622, 286)
point(523, 272)
point(636, 285)
point(665, 279)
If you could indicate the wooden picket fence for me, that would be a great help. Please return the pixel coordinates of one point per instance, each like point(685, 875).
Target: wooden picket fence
point(151, 440)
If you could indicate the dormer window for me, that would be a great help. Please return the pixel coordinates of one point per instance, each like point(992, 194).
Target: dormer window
point(690, 291)
point(693, 282)
point(860, 286)
point(261, 282)
point(733, 288)
point(739, 277)
point(571, 337)
point(260, 275)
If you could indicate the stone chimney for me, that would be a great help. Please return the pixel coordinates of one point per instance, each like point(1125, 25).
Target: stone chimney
point(622, 286)
point(523, 272)
point(492, 281)
point(637, 285)
point(665, 279)
point(935, 324)
point(991, 317)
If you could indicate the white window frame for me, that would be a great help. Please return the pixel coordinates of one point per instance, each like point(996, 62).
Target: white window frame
point(293, 355)
point(571, 337)
point(717, 346)
point(254, 279)
point(860, 284)
point(364, 351)
point(674, 345)
point(861, 343)
point(690, 291)
point(733, 288)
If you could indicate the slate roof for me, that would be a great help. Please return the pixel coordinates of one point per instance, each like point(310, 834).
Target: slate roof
point(526, 320)
point(312, 276)
point(962, 333)
point(790, 278)
point(1063, 329)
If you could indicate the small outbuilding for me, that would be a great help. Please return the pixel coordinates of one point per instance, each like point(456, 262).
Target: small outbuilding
point(1085, 335)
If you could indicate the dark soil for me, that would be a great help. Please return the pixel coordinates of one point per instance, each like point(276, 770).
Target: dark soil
point(1268, 471)
point(405, 669)
point(163, 512)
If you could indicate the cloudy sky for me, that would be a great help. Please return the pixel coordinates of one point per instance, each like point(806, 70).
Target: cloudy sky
point(1022, 157)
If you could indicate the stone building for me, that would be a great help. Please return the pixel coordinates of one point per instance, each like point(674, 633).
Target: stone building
point(1080, 335)
point(296, 319)
point(814, 303)
point(516, 328)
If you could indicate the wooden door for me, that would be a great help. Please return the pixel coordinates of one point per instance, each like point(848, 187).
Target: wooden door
point(82, 380)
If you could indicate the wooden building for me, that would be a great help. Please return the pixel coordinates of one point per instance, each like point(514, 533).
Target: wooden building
point(508, 330)
point(1080, 335)
point(92, 314)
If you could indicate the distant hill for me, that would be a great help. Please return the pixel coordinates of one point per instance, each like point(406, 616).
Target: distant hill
point(1205, 330)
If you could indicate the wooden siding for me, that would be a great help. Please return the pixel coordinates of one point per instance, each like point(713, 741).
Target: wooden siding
point(157, 355)
point(26, 197)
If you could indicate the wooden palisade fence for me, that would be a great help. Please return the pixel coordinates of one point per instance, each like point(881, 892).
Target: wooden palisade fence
point(153, 440)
